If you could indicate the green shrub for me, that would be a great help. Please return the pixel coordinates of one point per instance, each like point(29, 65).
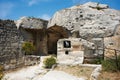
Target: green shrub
point(109, 65)
point(96, 61)
point(49, 62)
point(28, 47)
point(98, 8)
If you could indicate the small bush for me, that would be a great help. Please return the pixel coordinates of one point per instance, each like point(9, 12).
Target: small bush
point(28, 47)
point(109, 65)
point(96, 61)
point(98, 8)
point(49, 62)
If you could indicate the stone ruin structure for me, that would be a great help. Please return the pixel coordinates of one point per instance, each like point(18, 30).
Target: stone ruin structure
point(44, 39)
point(10, 44)
point(34, 30)
point(11, 54)
point(89, 23)
point(72, 50)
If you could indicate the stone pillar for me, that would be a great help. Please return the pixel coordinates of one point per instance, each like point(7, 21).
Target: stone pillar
point(45, 49)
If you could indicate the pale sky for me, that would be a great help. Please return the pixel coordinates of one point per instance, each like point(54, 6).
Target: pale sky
point(14, 9)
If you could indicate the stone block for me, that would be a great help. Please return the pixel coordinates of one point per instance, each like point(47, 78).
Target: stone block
point(70, 52)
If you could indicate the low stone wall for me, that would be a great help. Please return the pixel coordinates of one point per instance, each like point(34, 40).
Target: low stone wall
point(28, 60)
point(14, 63)
point(32, 60)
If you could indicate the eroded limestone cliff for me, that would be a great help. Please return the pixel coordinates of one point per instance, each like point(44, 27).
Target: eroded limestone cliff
point(90, 20)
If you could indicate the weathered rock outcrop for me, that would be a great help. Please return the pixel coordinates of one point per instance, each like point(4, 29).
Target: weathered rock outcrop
point(45, 40)
point(93, 22)
point(90, 19)
point(31, 22)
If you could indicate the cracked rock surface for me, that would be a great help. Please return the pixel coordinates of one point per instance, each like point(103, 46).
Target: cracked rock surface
point(89, 19)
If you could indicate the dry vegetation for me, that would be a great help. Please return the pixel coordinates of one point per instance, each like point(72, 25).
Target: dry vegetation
point(77, 71)
point(109, 76)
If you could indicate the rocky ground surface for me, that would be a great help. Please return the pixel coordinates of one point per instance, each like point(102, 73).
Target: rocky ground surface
point(38, 73)
point(55, 75)
point(29, 73)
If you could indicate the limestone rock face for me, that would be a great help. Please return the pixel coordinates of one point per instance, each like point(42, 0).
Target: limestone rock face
point(90, 19)
point(30, 22)
point(93, 22)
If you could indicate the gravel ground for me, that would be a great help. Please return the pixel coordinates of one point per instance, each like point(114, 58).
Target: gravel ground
point(59, 75)
point(29, 73)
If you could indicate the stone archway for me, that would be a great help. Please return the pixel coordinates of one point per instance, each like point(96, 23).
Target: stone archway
point(54, 34)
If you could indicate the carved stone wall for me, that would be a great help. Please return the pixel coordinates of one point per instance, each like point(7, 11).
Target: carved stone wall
point(73, 50)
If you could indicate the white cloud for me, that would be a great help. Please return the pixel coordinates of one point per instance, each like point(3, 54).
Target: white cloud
point(5, 9)
point(78, 1)
point(84, 1)
point(33, 2)
point(45, 16)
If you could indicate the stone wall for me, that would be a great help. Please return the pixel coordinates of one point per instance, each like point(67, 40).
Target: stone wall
point(10, 44)
point(31, 60)
point(34, 30)
point(111, 44)
point(73, 50)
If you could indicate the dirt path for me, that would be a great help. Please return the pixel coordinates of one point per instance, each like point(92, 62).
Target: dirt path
point(29, 73)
